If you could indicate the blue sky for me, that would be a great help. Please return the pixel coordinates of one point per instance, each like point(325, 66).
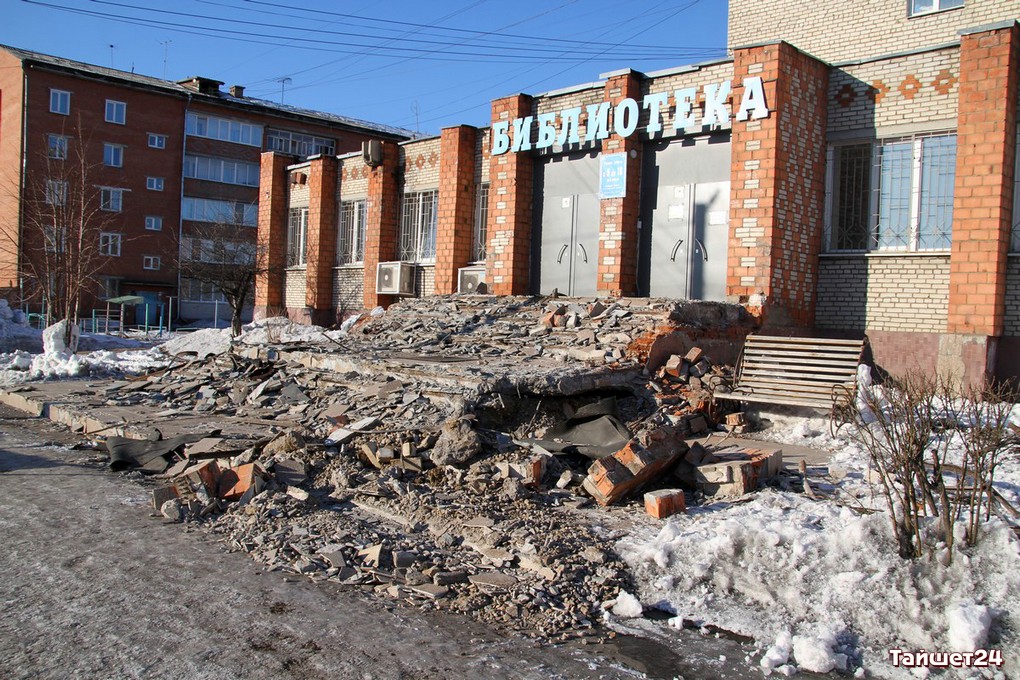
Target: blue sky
point(419, 65)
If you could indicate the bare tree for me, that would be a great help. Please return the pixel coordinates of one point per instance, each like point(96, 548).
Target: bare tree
point(218, 255)
point(58, 245)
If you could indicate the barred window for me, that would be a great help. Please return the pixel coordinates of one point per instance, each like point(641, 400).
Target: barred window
point(418, 227)
point(297, 237)
point(350, 239)
point(481, 224)
point(893, 194)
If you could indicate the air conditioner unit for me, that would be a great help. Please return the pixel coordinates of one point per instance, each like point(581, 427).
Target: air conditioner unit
point(395, 278)
point(469, 279)
point(372, 153)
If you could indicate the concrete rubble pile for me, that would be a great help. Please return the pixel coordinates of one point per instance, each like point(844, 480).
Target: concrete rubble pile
point(424, 455)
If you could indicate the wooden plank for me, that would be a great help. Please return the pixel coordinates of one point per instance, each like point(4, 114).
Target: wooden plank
point(767, 357)
point(802, 352)
point(778, 399)
point(788, 368)
point(779, 387)
point(803, 341)
point(795, 381)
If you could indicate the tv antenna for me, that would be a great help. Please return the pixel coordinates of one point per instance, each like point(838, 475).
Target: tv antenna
point(283, 85)
point(165, 44)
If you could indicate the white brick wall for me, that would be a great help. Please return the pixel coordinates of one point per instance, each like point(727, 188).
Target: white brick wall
point(421, 164)
point(915, 89)
point(348, 288)
point(1013, 297)
point(856, 29)
point(353, 178)
point(294, 288)
point(909, 293)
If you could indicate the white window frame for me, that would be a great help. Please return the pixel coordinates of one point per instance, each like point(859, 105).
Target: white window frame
point(113, 155)
point(223, 129)
point(111, 199)
point(151, 262)
point(111, 287)
point(297, 237)
point(116, 112)
point(157, 141)
point(418, 226)
point(298, 143)
point(110, 243)
point(225, 170)
point(213, 210)
point(916, 204)
point(54, 239)
point(479, 238)
point(153, 223)
point(937, 6)
point(207, 292)
point(56, 147)
point(350, 237)
point(155, 183)
point(55, 192)
point(60, 102)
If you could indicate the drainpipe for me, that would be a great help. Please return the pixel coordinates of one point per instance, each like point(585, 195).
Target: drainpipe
point(180, 207)
point(22, 183)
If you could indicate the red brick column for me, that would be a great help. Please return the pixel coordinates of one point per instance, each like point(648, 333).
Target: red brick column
point(272, 234)
point(777, 190)
point(983, 200)
point(382, 221)
point(455, 223)
point(618, 217)
point(511, 187)
point(321, 248)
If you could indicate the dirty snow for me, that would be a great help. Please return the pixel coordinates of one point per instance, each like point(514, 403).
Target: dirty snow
point(819, 585)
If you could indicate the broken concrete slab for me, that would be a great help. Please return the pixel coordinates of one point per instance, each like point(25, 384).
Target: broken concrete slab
point(345, 434)
point(290, 472)
point(493, 582)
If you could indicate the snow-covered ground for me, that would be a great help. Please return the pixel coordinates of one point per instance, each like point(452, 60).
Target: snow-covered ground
point(819, 584)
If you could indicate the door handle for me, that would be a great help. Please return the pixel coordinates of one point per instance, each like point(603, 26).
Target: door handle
point(584, 253)
point(704, 253)
point(559, 258)
point(672, 256)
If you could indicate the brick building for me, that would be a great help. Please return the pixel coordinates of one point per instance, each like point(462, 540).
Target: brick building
point(169, 159)
point(849, 170)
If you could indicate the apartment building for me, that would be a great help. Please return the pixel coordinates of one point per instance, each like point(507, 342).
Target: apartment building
point(849, 170)
point(173, 165)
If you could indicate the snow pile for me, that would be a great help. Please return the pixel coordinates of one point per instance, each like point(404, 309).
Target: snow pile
point(627, 606)
point(130, 362)
point(278, 329)
point(781, 564)
point(202, 343)
point(58, 360)
point(14, 333)
point(968, 626)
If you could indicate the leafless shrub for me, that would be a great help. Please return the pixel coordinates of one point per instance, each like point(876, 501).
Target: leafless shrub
point(908, 427)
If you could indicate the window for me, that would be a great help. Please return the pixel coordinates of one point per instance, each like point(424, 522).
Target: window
point(223, 212)
point(153, 223)
point(481, 224)
point(154, 183)
point(111, 287)
point(109, 244)
point(217, 251)
point(929, 6)
point(223, 129)
point(113, 155)
point(298, 144)
point(297, 237)
point(222, 170)
point(55, 239)
point(418, 227)
point(111, 200)
point(1014, 242)
point(116, 112)
point(893, 194)
point(157, 141)
point(350, 239)
point(56, 147)
point(60, 102)
point(150, 262)
point(56, 192)
point(193, 290)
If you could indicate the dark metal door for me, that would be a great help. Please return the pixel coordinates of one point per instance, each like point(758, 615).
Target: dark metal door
point(568, 220)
